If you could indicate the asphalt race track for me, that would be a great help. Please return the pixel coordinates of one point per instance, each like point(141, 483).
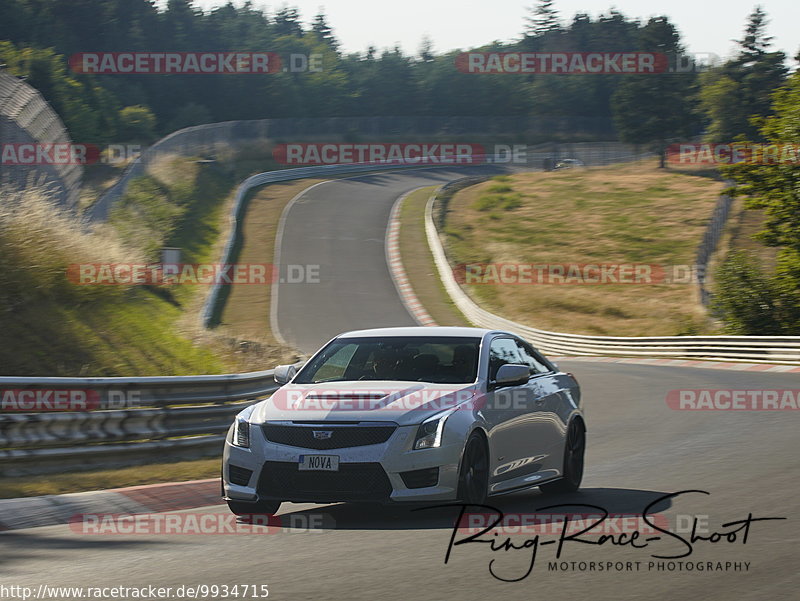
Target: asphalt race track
point(341, 226)
point(639, 449)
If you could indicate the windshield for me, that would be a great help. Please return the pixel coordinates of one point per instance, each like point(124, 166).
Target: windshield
point(446, 360)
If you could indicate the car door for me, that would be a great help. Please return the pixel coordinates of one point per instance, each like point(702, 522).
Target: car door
point(515, 418)
point(547, 392)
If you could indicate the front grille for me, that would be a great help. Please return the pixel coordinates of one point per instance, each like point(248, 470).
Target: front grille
point(353, 482)
point(341, 437)
point(421, 478)
point(239, 475)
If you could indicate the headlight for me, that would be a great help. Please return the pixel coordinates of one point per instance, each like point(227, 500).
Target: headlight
point(241, 433)
point(429, 433)
point(241, 428)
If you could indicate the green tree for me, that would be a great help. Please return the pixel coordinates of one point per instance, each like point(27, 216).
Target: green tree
point(181, 23)
point(323, 31)
point(287, 22)
point(544, 19)
point(775, 189)
point(656, 108)
point(426, 54)
point(137, 124)
point(721, 102)
point(188, 115)
point(87, 109)
point(735, 93)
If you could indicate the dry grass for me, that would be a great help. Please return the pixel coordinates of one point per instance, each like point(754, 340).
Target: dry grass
point(39, 241)
point(632, 213)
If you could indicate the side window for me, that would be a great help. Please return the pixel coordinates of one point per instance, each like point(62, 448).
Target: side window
point(502, 352)
point(531, 358)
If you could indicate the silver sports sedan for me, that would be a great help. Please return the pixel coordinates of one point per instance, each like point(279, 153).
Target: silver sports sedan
point(408, 414)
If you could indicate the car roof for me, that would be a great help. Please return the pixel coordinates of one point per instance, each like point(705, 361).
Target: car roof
point(427, 332)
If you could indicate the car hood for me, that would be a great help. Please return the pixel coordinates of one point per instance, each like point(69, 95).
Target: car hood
point(405, 403)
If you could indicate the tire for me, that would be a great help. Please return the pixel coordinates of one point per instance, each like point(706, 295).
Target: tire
point(473, 477)
point(257, 508)
point(574, 450)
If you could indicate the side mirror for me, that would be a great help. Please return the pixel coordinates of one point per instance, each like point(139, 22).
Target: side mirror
point(284, 373)
point(511, 375)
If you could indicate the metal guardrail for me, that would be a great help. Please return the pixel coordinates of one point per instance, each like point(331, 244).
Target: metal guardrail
point(769, 349)
point(181, 417)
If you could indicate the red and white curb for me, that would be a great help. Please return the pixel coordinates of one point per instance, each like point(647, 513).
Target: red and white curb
point(763, 367)
point(397, 271)
point(48, 510)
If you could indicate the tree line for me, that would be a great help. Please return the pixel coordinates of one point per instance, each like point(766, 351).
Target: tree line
point(38, 36)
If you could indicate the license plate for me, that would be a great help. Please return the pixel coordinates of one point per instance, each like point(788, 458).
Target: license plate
point(321, 463)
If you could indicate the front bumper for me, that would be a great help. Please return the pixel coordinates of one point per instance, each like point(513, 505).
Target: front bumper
point(375, 472)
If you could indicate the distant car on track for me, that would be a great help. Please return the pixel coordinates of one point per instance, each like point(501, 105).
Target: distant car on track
point(408, 414)
point(569, 164)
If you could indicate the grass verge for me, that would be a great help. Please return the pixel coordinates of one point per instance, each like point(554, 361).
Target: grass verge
point(419, 264)
point(55, 484)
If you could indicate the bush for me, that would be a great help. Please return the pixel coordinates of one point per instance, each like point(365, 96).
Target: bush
point(750, 302)
point(137, 124)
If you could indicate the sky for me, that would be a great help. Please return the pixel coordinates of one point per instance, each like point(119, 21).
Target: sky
point(705, 27)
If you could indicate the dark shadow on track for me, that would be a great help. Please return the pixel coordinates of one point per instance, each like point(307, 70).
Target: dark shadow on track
point(355, 516)
point(17, 546)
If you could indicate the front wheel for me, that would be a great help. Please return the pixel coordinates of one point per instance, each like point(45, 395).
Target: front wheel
point(473, 478)
point(257, 508)
point(574, 449)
